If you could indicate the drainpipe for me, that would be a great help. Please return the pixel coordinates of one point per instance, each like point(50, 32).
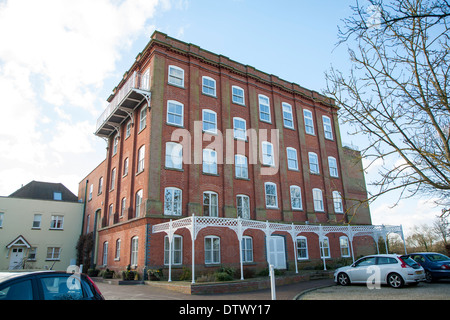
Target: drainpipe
point(94, 232)
point(84, 206)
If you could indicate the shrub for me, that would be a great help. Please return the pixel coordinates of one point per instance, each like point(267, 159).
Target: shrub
point(223, 276)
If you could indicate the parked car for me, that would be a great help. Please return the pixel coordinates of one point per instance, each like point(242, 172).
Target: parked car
point(436, 265)
point(47, 285)
point(391, 269)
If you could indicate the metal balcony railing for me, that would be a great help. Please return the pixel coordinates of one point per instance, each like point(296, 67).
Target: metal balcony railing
point(137, 81)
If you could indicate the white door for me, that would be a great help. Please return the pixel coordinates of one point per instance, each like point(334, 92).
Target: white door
point(277, 252)
point(16, 258)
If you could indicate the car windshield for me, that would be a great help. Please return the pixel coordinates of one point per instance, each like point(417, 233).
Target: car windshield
point(410, 262)
point(437, 257)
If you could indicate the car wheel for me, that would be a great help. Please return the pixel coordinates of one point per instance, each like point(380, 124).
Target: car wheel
point(395, 280)
point(428, 276)
point(343, 279)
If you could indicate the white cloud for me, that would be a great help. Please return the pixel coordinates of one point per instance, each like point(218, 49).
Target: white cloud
point(408, 213)
point(73, 138)
point(55, 56)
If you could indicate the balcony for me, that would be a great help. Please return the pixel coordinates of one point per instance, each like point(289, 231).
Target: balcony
point(135, 91)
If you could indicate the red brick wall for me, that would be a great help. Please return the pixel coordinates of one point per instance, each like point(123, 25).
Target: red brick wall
point(155, 177)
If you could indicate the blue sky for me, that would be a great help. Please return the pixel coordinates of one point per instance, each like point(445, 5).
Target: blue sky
point(60, 60)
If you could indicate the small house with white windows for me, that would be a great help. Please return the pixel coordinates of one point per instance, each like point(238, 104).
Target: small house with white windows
point(40, 224)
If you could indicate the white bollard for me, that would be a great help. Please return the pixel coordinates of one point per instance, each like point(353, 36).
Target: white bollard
point(272, 282)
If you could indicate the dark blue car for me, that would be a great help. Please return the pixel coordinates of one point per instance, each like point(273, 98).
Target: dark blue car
point(436, 265)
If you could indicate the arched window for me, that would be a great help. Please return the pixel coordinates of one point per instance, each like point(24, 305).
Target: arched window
point(210, 204)
point(271, 195)
point(302, 248)
point(212, 250)
point(318, 200)
point(134, 252)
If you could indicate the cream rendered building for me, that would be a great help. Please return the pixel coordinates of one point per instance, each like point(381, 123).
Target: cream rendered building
point(39, 227)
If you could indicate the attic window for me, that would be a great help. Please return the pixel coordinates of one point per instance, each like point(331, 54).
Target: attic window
point(57, 195)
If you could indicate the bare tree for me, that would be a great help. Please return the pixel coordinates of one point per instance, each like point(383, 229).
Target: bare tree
point(397, 93)
point(441, 227)
point(422, 238)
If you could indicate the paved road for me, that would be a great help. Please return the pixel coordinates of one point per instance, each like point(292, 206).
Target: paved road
point(423, 291)
point(146, 292)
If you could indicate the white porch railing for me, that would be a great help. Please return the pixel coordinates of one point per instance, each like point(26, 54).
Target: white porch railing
point(136, 81)
point(195, 224)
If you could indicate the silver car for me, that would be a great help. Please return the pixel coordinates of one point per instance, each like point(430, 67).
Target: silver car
point(392, 269)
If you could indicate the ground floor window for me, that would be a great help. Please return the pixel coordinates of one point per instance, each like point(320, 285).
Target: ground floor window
point(302, 248)
point(324, 248)
point(134, 251)
point(344, 244)
point(177, 250)
point(105, 253)
point(247, 249)
point(212, 250)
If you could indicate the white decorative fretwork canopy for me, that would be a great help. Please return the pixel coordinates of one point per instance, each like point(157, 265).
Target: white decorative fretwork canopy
point(194, 224)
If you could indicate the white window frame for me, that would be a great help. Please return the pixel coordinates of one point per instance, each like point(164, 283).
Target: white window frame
point(113, 179)
point(265, 105)
point(309, 122)
point(123, 206)
point(117, 254)
point(313, 163)
point(337, 202)
point(268, 155)
point(105, 253)
point(142, 118)
point(110, 213)
point(57, 222)
point(299, 198)
point(53, 253)
point(208, 88)
point(303, 248)
point(91, 190)
point(175, 208)
point(100, 185)
point(235, 96)
point(37, 221)
point(209, 161)
point(288, 115)
point(324, 245)
point(344, 245)
point(134, 251)
point(170, 105)
point(212, 130)
point(240, 166)
point(239, 133)
point(174, 79)
point(125, 167)
point(174, 155)
point(177, 250)
point(332, 164)
point(141, 159)
point(211, 206)
point(290, 152)
point(318, 200)
point(243, 211)
point(128, 129)
point(327, 128)
point(247, 249)
point(138, 203)
point(115, 144)
point(209, 250)
point(267, 195)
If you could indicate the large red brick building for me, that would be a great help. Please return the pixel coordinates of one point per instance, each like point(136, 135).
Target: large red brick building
point(191, 132)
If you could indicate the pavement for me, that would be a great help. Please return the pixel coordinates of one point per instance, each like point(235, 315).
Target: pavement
point(423, 291)
point(323, 289)
point(147, 292)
